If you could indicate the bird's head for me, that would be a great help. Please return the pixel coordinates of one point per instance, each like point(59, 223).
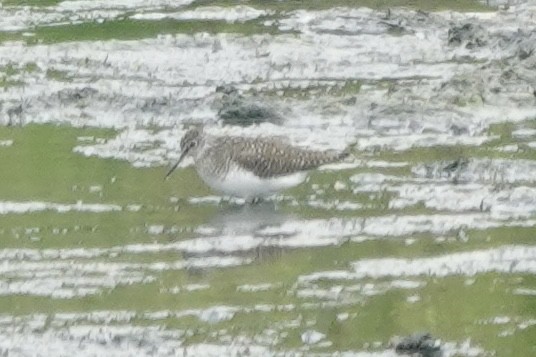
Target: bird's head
point(190, 140)
point(189, 144)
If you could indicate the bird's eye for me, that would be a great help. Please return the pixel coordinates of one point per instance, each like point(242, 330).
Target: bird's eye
point(192, 144)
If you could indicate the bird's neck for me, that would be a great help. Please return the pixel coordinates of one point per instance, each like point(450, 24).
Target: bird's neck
point(204, 143)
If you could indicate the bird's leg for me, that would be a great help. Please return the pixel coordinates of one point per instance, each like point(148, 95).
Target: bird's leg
point(253, 200)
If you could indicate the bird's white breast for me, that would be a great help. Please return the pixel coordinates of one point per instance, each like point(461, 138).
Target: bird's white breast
point(245, 184)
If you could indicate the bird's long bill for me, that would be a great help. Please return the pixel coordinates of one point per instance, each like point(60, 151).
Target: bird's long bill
point(176, 164)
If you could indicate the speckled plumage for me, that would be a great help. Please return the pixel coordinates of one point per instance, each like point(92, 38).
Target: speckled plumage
point(264, 157)
point(269, 160)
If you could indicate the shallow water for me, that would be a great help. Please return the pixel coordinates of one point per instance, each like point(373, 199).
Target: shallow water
point(429, 227)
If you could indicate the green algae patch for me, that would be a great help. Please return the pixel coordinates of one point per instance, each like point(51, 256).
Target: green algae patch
point(124, 28)
point(40, 3)
point(44, 168)
point(290, 5)
point(130, 29)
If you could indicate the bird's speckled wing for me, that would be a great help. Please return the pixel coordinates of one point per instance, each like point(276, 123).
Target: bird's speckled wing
point(273, 158)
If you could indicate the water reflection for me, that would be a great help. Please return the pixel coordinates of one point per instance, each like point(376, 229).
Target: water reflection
point(248, 219)
point(239, 230)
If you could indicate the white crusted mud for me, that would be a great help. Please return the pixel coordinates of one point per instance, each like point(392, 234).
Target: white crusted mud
point(438, 194)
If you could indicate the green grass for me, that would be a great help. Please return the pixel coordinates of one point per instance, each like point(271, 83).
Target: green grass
point(373, 318)
point(6, 82)
point(289, 5)
point(9, 69)
point(30, 2)
point(11, 73)
point(128, 29)
point(57, 75)
point(344, 89)
point(428, 5)
point(7, 73)
point(42, 156)
point(41, 166)
point(31, 67)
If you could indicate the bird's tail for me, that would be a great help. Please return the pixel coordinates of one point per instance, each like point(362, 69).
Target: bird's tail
point(348, 151)
point(344, 154)
point(332, 156)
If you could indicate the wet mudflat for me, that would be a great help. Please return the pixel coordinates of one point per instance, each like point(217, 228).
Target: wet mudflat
point(429, 227)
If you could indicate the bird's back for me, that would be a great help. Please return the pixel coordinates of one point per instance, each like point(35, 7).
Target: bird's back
point(269, 157)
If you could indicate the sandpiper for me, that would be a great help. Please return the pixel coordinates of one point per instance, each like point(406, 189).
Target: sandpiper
point(250, 168)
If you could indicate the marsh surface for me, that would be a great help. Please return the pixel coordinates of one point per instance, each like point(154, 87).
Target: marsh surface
point(430, 227)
